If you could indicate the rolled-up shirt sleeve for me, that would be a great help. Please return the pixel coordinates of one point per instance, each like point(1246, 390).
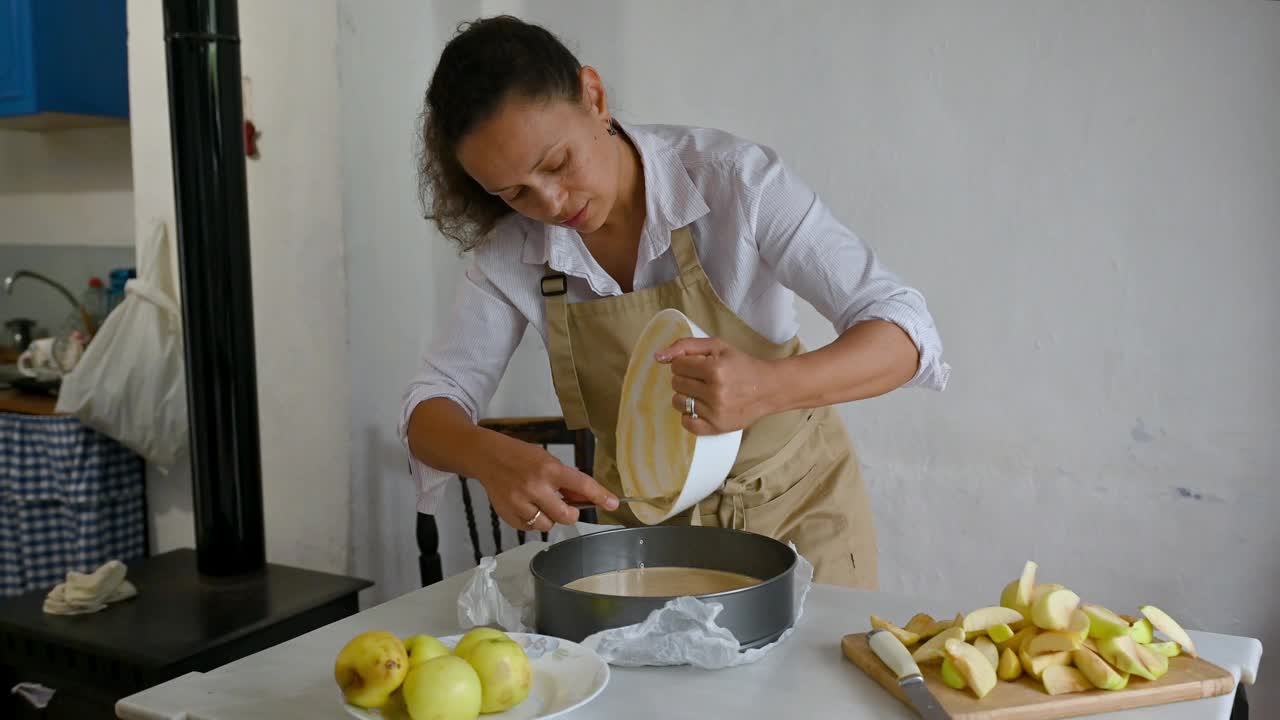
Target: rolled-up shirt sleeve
point(824, 262)
point(464, 363)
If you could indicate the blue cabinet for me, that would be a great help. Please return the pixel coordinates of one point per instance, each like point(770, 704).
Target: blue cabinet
point(63, 63)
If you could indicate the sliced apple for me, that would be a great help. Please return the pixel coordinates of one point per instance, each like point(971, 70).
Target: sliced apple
point(918, 623)
point(1168, 649)
point(907, 638)
point(1170, 627)
point(1127, 618)
point(999, 633)
point(1098, 672)
point(979, 674)
point(1063, 679)
point(1027, 583)
point(1122, 652)
point(983, 619)
point(1090, 643)
point(1052, 642)
point(1009, 668)
point(1103, 623)
point(1035, 665)
point(1079, 625)
point(988, 650)
point(1009, 599)
point(934, 646)
point(1053, 610)
point(1044, 589)
point(1019, 638)
point(951, 676)
point(935, 628)
point(1155, 663)
point(1142, 632)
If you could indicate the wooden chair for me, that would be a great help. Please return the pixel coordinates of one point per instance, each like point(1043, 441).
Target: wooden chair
point(544, 431)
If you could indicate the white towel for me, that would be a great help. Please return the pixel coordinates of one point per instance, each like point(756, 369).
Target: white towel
point(87, 593)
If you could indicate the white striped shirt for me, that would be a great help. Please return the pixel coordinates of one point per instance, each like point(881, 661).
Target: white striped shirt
point(761, 235)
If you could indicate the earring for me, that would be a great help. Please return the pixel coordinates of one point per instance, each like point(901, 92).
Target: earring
point(611, 129)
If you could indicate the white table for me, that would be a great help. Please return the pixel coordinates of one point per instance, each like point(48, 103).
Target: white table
point(806, 677)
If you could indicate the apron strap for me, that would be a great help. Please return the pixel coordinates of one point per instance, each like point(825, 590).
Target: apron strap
point(564, 373)
point(685, 253)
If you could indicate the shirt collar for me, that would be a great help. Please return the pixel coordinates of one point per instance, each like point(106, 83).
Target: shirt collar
point(672, 201)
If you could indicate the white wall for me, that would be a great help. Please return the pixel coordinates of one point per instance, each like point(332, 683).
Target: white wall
point(1086, 192)
point(289, 51)
point(66, 187)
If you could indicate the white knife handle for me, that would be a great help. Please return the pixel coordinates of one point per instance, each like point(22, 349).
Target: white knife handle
point(893, 653)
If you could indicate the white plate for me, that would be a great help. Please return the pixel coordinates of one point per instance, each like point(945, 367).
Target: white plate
point(566, 676)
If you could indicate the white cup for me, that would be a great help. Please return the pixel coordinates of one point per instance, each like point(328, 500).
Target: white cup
point(50, 358)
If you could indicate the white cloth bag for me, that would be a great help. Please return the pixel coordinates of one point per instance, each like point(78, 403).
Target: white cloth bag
point(130, 383)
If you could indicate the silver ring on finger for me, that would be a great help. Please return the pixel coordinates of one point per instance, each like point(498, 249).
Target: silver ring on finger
point(531, 521)
point(691, 407)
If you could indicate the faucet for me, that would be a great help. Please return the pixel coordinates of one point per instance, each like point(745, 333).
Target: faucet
point(85, 318)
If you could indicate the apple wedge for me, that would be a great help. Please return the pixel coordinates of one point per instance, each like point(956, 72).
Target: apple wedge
point(1079, 624)
point(1155, 663)
point(983, 619)
point(1019, 638)
point(1035, 665)
point(907, 638)
point(919, 623)
point(1010, 667)
point(1090, 643)
point(1103, 623)
point(1063, 679)
point(1170, 627)
point(978, 674)
point(1000, 633)
point(934, 646)
point(1053, 610)
point(1122, 652)
point(951, 676)
point(1044, 589)
point(1142, 632)
point(988, 650)
point(1127, 618)
point(1052, 642)
point(1168, 649)
point(1097, 671)
point(1009, 599)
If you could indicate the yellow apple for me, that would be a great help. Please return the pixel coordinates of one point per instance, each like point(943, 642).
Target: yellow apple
point(1009, 599)
point(1142, 632)
point(1000, 633)
point(475, 635)
point(422, 648)
point(1052, 642)
point(1170, 627)
point(988, 650)
point(505, 673)
point(935, 628)
point(1098, 672)
point(1062, 679)
point(1122, 652)
point(919, 623)
point(1021, 637)
point(1167, 649)
point(951, 676)
point(984, 618)
point(1155, 663)
point(1079, 625)
point(1035, 665)
point(978, 673)
point(443, 688)
point(1053, 610)
point(1010, 668)
point(1044, 589)
point(933, 648)
point(1103, 623)
point(907, 638)
point(370, 667)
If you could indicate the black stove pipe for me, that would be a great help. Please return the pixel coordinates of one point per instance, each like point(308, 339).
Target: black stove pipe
point(206, 118)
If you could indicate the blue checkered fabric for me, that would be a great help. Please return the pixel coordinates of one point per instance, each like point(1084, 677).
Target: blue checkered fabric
point(70, 499)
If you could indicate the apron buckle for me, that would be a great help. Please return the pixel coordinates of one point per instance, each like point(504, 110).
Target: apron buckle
point(554, 285)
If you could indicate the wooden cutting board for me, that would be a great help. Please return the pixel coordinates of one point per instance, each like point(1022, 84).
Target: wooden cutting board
point(1188, 679)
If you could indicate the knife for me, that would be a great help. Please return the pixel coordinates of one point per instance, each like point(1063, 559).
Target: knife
point(894, 654)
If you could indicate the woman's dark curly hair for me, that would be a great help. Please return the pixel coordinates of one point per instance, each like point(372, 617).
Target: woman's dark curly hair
point(487, 62)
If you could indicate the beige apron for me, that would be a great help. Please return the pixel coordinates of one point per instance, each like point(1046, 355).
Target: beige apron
point(796, 477)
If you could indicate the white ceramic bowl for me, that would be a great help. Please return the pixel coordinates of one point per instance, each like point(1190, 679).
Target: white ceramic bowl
point(657, 456)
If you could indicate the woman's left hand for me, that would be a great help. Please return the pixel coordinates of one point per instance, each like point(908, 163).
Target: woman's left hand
point(730, 388)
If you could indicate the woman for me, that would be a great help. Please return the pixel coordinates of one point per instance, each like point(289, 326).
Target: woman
point(584, 227)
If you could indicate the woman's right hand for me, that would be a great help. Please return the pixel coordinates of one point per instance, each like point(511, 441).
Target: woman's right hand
point(522, 479)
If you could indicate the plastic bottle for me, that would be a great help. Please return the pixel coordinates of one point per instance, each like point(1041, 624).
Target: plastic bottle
point(95, 300)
